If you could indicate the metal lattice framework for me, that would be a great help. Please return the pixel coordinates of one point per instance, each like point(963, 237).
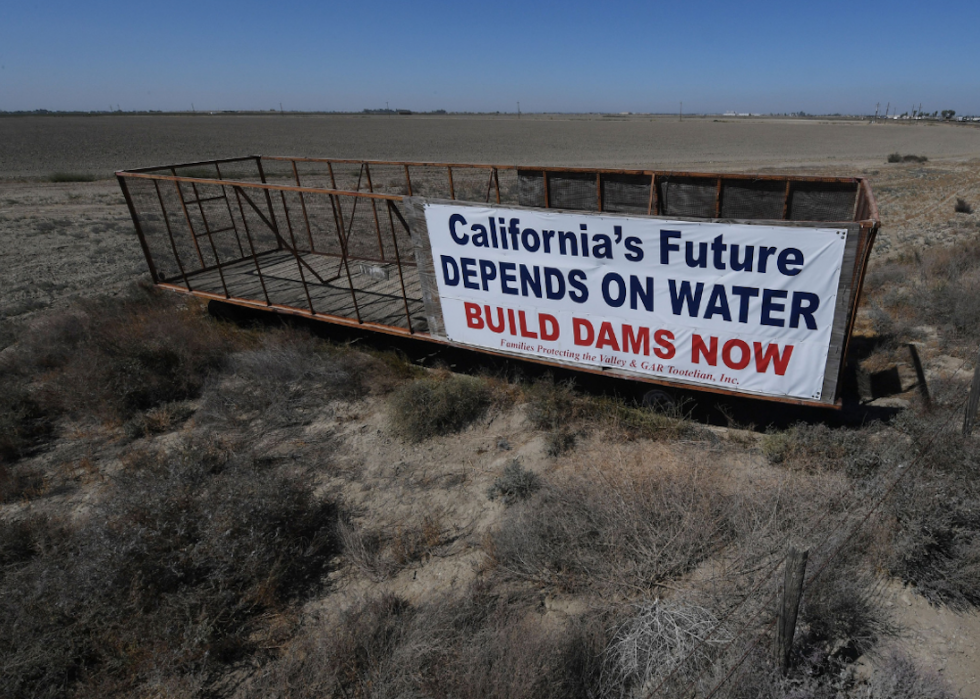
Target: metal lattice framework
point(332, 238)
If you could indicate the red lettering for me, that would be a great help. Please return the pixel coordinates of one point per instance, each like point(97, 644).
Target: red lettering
point(665, 339)
point(607, 338)
point(579, 325)
point(638, 343)
point(779, 363)
point(513, 324)
point(524, 331)
point(499, 327)
point(745, 354)
point(473, 318)
point(545, 320)
point(698, 348)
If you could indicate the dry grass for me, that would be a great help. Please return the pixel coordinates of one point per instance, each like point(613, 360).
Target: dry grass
point(169, 576)
point(610, 528)
point(475, 646)
point(437, 405)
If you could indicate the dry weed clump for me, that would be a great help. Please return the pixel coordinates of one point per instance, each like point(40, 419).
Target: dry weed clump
point(112, 358)
point(437, 405)
point(514, 484)
point(962, 207)
point(817, 447)
point(476, 646)
point(283, 382)
point(552, 407)
point(379, 555)
point(168, 578)
point(940, 288)
point(660, 645)
point(897, 677)
point(612, 529)
point(934, 539)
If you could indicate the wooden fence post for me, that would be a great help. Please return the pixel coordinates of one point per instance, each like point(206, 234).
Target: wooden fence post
point(971, 405)
point(790, 605)
point(921, 376)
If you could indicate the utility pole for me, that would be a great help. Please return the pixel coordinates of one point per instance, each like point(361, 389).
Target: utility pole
point(886, 109)
point(680, 113)
point(518, 110)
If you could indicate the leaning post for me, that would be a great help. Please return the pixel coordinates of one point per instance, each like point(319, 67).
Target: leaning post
point(789, 605)
point(971, 404)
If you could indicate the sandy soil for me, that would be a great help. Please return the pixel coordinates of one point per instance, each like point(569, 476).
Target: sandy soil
point(62, 240)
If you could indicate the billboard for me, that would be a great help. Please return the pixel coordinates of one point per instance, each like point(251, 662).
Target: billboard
point(742, 307)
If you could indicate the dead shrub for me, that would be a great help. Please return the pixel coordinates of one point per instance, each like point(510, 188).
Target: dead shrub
point(378, 555)
point(935, 515)
point(514, 484)
point(615, 530)
point(819, 447)
point(961, 206)
point(476, 646)
point(554, 406)
point(24, 424)
point(115, 357)
point(659, 640)
point(437, 405)
point(560, 442)
point(168, 577)
point(897, 677)
point(283, 382)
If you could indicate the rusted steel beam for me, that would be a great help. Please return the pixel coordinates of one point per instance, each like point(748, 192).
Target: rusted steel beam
point(270, 187)
point(302, 202)
point(408, 181)
point(190, 227)
point(544, 178)
point(398, 261)
point(598, 191)
point(231, 215)
point(251, 245)
point(170, 233)
point(280, 241)
point(193, 164)
point(139, 229)
point(374, 207)
point(452, 189)
point(299, 267)
point(207, 230)
point(346, 262)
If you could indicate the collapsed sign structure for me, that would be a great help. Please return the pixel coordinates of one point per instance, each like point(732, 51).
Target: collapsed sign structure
point(739, 306)
point(731, 283)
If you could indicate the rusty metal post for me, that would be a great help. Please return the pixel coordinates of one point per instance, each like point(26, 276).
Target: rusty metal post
point(398, 259)
point(251, 245)
point(920, 375)
point(302, 203)
point(173, 244)
point(207, 230)
point(139, 229)
point(718, 200)
point(183, 205)
point(292, 237)
point(496, 183)
point(408, 181)
point(786, 200)
point(350, 281)
point(452, 188)
point(374, 208)
point(231, 215)
point(598, 191)
point(970, 416)
point(544, 179)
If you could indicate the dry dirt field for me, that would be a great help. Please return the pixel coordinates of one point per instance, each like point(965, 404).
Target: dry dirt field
point(423, 570)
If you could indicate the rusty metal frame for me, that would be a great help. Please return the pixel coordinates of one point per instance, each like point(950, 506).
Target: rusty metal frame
point(865, 213)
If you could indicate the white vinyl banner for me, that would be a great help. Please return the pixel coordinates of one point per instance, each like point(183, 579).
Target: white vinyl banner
point(747, 308)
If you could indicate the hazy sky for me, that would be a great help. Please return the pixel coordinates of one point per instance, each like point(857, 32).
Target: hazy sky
point(819, 57)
